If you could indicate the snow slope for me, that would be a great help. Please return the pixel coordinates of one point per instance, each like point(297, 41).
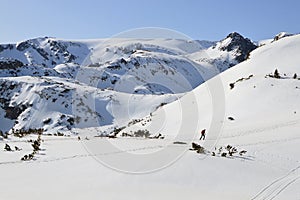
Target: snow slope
point(266, 123)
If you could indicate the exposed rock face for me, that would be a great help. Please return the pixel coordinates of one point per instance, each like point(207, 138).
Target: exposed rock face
point(235, 41)
point(281, 35)
point(10, 64)
point(23, 45)
point(14, 112)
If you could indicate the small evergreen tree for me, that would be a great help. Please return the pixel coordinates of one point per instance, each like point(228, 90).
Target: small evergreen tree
point(36, 146)
point(295, 76)
point(7, 147)
point(17, 148)
point(224, 154)
point(276, 74)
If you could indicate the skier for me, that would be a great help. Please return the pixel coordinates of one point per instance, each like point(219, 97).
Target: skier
point(203, 134)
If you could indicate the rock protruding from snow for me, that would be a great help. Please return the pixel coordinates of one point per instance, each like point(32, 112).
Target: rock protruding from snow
point(45, 52)
point(281, 35)
point(237, 43)
point(10, 63)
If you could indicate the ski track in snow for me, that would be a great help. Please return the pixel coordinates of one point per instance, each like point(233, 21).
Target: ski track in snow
point(269, 192)
point(272, 190)
point(263, 129)
point(82, 155)
point(240, 134)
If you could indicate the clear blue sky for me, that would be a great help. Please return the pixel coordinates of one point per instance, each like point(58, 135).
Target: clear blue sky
point(199, 19)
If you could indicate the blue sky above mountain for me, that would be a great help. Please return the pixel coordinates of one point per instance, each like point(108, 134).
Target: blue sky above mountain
point(198, 19)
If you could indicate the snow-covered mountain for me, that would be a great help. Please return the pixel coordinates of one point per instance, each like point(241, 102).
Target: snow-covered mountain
point(252, 107)
point(50, 83)
point(250, 91)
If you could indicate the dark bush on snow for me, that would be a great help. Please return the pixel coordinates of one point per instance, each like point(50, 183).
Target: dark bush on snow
point(7, 148)
point(198, 148)
point(276, 74)
point(141, 133)
point(295, 76)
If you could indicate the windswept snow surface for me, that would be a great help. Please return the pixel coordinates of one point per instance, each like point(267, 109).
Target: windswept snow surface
point(266, 123)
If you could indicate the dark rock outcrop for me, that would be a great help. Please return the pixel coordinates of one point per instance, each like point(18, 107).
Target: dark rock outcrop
point(14, 112)
point(10, 64)
point(242, 45)
point(23, 45)
point(281, 35)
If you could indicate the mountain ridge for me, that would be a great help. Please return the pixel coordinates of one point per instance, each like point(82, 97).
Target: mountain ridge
point(45, 71)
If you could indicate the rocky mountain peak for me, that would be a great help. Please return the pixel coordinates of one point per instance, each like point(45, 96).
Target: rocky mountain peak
point(236, 42)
